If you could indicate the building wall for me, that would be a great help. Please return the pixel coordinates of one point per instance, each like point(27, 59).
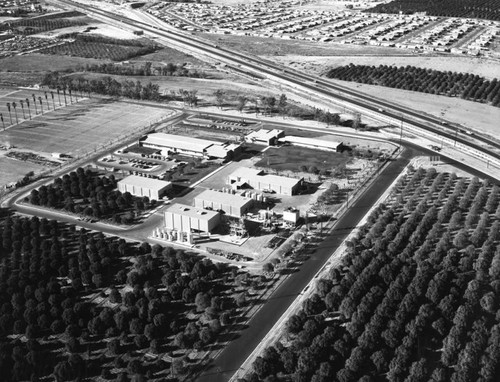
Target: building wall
point(186, 223)
point(226, 207)
point(155, 194)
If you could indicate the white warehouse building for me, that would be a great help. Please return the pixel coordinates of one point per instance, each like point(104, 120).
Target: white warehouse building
point(141, 186)
point(231, 204)
point(184, 218)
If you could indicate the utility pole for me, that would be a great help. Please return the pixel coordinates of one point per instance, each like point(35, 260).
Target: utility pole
point(401, 130)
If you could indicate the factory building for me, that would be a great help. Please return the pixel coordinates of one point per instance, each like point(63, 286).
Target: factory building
point(142, 186)
point(258, 180)
point(178, 144)
point(184, 218)
point(313, 143)
point(231, 204)
point(264, 136)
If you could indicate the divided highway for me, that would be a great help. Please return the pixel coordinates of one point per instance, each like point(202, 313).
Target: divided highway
point(308, 83)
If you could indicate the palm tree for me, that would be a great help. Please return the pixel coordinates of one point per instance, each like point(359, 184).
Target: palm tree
point(59, 95)
point(34, 103)
point(70, 98)
point(41, 106)
point(28, 104)
point(22, 107)
point(10, 115)
point(46, 100)
point(53, 103)
point(65, 101)
point(14, 105)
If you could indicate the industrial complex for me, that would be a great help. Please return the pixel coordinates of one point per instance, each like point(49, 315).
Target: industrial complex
point(177, 144)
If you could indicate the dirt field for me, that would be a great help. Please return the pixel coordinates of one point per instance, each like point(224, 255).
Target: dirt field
point(169, 55)
point(77, 128)
point(232, 85)
point(262, 46)
point(319, 64)
point(100, 28)
point(473, 115)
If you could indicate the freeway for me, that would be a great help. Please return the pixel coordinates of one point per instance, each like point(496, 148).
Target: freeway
point(306, 82)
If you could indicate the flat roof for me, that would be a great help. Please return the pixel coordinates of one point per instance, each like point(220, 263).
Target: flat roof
point(179, 142)
point(257, 175)
point(190, 211)
point(223, 197)
point(141, 181)
point(310, 142)
point(264, 134)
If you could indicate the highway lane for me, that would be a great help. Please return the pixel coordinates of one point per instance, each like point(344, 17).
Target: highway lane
point(230, 359)
point(302, 81)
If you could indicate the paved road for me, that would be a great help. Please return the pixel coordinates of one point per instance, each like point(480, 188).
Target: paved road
point(238, 350)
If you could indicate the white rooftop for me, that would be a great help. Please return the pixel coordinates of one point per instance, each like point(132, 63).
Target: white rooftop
point(141, 181)
point(311, 142)
point(247, 173)
point(179, 142)
point(264, 134)
point(223, 197)
point(194, 212)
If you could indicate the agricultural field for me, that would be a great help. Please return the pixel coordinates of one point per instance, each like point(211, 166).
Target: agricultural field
point(482, 9)
point(100, 47)
point(452, 84)
point(45, 23)
point(415, 295)
point(82, 305)
point(77, 128)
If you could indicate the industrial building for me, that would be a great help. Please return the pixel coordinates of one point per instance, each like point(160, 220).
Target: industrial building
point(178, 144)
point(184, 218)
point(258, 180)
point(264, 136)
point(314, 143)
point(142, 186)
point(231, 204)
point(291, 216)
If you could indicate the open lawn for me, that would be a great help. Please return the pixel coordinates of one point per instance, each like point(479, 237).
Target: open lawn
point(291, 158)
point(12, 170)
point(77, 128)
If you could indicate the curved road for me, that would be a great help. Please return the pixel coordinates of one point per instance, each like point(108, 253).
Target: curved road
point(233, 355)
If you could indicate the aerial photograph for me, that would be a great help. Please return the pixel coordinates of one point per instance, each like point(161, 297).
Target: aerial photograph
point(250, 190)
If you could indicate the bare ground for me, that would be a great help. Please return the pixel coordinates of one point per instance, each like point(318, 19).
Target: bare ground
point(320, 64)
